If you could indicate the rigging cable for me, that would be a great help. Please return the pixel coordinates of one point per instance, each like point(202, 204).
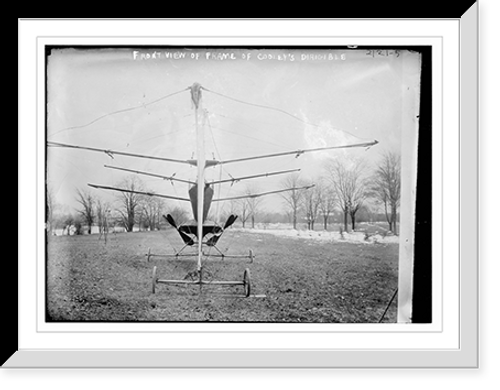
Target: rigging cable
point(207, 120)
point(221, 168)
point(121, 111)
point(257, 105)
point(274, 109)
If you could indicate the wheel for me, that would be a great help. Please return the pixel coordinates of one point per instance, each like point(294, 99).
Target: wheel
point(247, 282)
point(153, 280)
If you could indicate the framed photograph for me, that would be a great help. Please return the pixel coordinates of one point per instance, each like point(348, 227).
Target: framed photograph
point(209, 199)
point(266, 183)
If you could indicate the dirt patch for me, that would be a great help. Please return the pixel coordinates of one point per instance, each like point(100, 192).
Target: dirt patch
point(295, 280)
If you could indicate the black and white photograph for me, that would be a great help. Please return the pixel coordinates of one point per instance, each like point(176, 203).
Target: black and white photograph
point(190, 184)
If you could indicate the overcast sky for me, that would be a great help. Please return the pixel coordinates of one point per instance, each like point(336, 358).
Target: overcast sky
point(262, 101)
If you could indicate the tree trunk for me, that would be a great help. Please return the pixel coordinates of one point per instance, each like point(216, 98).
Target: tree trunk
point(345, 220)
point(387, 217)
point(393, 219)
point(130, 223)
point(325, 222)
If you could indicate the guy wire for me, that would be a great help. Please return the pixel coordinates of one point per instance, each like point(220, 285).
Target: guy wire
point(273, 109)
point(121, 111)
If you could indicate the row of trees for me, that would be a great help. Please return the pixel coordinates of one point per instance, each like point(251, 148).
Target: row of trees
point(128, 210)
point(346, 187)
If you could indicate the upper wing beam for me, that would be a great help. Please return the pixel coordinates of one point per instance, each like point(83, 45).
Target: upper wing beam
point(299, 152)
point(110, 153)
point(210, 163)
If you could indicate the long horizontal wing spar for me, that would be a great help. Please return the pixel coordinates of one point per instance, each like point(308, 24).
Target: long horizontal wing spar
point(299, 152)
point(233, 180)
point(138, 192)
point(263, 193)
point(110, 153)
point(210, 163)
point(172, 178)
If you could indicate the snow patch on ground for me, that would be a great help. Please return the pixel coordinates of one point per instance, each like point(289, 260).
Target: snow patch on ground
point(352, 237)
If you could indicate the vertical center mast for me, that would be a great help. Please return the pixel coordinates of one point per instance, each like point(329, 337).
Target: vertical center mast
point(200, 156)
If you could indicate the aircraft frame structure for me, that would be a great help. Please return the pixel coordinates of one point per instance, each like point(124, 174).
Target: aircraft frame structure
point(200, 196)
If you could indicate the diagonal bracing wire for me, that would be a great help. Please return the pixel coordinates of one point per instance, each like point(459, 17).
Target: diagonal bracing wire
point(121, 111)
point(272, 109)
point(257, 105)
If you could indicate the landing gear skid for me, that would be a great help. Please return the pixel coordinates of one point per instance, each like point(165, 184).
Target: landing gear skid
point(220, 255)
point(246, 282)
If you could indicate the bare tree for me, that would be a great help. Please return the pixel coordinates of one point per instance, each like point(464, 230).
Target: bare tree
point(87, 212)
point(179, 214)
point(292, 198)
point(253, 203)
point(158, 211)
point(50, 207)
point(130, 202)
point(312, 200)
point(103, 210)
point(77, 225)
point(386, 186)
point(244, 210)
point(326, 201)
point(69, 220)
point(151, 211)
point(350, 184)
point(229, 208)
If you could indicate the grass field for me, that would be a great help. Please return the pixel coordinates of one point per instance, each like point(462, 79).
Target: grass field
point(293, 279)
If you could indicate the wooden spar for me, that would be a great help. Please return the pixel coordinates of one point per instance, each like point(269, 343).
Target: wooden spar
point(110, 152)
point(137, 192)
point(171, 178)
point(300, 152)
point(211, 163)
point(200, 141)
point(263, 193)
point(236, 179)
point(212, 282)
